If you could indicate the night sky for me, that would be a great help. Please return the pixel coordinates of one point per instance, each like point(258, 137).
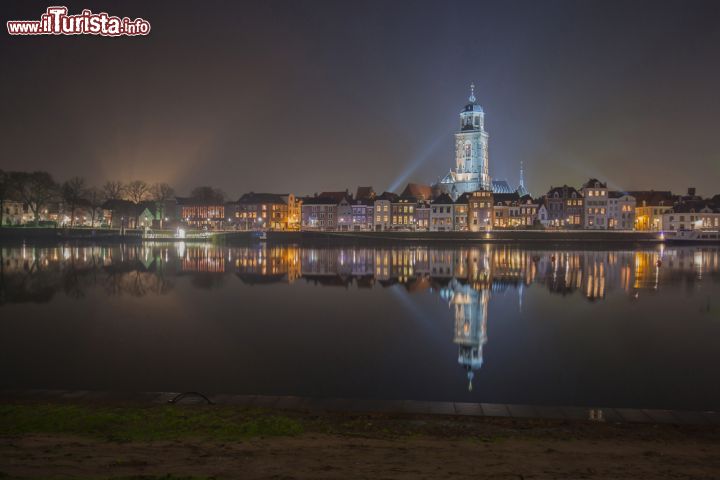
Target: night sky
point(305, 96)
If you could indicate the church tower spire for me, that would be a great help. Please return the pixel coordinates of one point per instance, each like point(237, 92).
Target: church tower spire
point(522, 176)
point(472, 93)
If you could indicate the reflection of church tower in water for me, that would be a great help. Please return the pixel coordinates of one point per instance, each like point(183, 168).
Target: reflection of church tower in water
point(470, 311)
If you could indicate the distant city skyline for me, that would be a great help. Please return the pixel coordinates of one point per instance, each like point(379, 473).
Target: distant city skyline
point(304, 98)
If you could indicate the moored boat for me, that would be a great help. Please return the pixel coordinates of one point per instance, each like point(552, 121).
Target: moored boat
point(692, 236)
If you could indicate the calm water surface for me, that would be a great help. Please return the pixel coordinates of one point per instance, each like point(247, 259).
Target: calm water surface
point(481, 323)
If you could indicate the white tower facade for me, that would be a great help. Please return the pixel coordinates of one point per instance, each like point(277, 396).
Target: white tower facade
point(471, 172)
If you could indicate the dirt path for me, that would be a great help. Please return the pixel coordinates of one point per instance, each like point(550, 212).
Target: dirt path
point(90, 440)
point(320, 456)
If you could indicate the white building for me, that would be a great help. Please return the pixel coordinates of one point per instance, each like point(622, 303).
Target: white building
point(692, 216)
point(12, 213)
point(621, 211)
point(596, 205)
point(543, 215)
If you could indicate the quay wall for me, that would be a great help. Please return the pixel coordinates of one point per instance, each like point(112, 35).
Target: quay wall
point(598, 237)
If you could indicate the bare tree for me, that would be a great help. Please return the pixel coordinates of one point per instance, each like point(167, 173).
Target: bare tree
point(113, 190)
point(36, 189)
point(73, 192)
point(137, 191)
point(96, 199)
point(208, 194)
point(161, 193)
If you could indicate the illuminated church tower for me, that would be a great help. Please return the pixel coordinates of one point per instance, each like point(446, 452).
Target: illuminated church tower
point(471, 172)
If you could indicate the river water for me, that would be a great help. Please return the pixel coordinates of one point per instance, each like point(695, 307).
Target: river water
point(483, 323)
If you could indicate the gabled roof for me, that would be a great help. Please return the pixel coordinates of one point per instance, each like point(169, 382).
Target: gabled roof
point(405, 199)
point(417, 190)
point(652, 197)
point(463, 199)
point(695, 206)
point(617, 194)
point(320, 200)
point(389, 196)
point(365, 193)
point(190, 201)
point(442, 199)
point(565, 190)
point(506, 198)
point(594, 183)
point(255, 198)
point(338, 196)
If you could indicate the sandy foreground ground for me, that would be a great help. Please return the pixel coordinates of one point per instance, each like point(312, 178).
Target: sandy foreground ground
point(322, 456)
point(383, 447)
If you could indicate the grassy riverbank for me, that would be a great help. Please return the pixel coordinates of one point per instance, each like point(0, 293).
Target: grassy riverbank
point(94, 441)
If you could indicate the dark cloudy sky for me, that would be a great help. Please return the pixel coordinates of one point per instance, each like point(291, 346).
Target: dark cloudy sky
point(305, 96)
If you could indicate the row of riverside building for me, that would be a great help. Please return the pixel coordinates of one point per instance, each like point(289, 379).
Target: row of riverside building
point(417, 208)
point(467, 198)
point(592, 207)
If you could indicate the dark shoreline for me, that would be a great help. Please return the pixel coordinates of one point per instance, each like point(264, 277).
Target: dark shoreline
point(369, 406)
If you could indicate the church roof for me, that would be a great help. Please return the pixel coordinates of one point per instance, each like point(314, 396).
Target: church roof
point(501, 186)
point(522, 191)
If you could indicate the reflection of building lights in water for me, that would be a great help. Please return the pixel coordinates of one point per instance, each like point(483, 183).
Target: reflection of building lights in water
point(469, 306)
